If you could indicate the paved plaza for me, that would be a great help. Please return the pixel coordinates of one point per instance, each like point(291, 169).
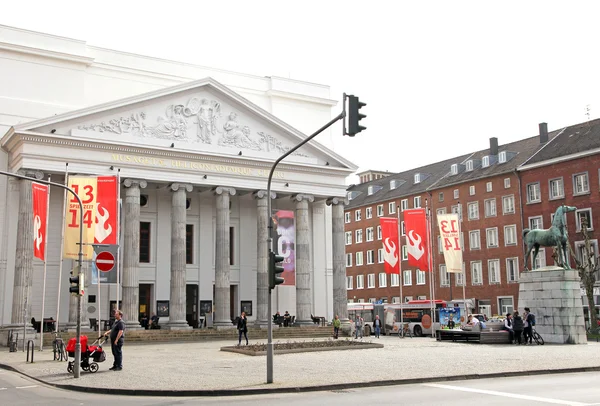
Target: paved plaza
point(202, 366)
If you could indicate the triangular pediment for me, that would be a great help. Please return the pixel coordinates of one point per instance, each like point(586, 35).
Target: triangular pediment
point(203, 116)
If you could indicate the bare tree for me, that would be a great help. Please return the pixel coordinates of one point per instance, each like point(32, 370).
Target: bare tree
point(588, 266)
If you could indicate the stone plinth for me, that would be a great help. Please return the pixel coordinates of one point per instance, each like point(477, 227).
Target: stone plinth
point(554, 296)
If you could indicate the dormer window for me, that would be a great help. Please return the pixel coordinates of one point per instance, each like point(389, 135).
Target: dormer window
point(393, 184)
point(470, 165)
point(502, 157)
point(454, 169)
point(370, 191)
point(417, 178)
point(485, 162)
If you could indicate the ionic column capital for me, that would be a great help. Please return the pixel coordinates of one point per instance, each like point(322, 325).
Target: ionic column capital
point(135, 182)
point(337, 200)
point(261, 194)
point(31, 173)
point(301, 197)
point(219, 190)
point(176, 186)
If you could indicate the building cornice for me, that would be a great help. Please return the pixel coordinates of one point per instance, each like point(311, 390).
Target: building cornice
point(558, 159)
point(301, 97)
point(47, 53)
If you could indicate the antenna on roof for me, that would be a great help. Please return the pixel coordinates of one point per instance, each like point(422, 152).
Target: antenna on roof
point(587, 113)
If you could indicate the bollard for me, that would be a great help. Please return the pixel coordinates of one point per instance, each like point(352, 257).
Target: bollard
point(31, 345)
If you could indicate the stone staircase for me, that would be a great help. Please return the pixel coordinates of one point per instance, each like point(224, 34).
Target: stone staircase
point(254, 333)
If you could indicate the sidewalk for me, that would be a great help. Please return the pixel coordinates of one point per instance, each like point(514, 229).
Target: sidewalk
point(201, 368)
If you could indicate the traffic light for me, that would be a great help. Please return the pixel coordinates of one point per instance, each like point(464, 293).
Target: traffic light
point(275, 269)
point(77, 283)
point(354, 117)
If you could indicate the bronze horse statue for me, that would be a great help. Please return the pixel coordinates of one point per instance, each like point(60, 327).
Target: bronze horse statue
point(555, 236)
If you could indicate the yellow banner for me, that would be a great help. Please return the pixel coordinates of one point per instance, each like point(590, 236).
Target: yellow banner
point(85, 187)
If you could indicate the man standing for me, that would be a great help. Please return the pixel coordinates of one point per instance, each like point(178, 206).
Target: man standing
point(358, 327)
point(529, 319)
point(377, 325)
point(337, 323)
point(116, 340)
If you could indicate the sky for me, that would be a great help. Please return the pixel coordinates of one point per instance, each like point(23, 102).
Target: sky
point(439, 77)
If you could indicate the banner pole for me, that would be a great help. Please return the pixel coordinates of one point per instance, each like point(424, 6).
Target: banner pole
point(62, 246)
point(400, 278)
point(464, 281)
point(119, 251)
point(45, 263)
point(428, 225)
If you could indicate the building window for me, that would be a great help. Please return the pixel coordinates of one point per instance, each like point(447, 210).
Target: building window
point(394, 279)
point(488, 187)
point(359, 234)
point(540, 261)
point(348, 260)
point(369, 212)
point(476, 273)
point(512, 270)
point(379, 235)
point(379, 210)
point(533, 193)
point(510, 235)
point(144, 242)
point(347, 217)
point(471, 190)
point(417, 178)
point(382, 280)
point(581, 253)
point(420, 277)
point(473, 209)
point(490, 208)
point(457, 209)
point(474, 240)
point(370, 257)
point(349, 281)
point(536, 223)
point(359, 258)
point(402, 228)
point(502, 157)
point(404, 253)
point(348, 235)
point(441, 197)
point(440, 248)
point(494, 270)
point(441, 211)
point(444, 277)
point(485, 161)
point(403, 204)
point(492, 237)
point(557, 189)
point(456, 193)
point(369, 233)
point(396, 299)
point(380, 256)
point(505, 304)
point(584, 214)
point(581, 184)
point(360, 281)
point(469, 165)
point(392, 207)
point(370, 190)
point(508, 204)
point(393, 184)
point(357, 215)
point(417, 202)
point(370, 281)
point(506, 183)
point(189, 243)
point(407, 276)
point(454, 169)
point(459, 280)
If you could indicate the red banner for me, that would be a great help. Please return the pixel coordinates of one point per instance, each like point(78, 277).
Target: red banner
point(389, 234)
point(107, 206)
point(416, 238)
point(40, 210)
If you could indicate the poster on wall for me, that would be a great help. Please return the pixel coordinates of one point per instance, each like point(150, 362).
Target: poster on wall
point(448, 313)
point(284, 241)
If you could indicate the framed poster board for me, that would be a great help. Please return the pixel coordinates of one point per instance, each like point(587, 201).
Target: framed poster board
point(205, 307)
point(247, 307)
point(162, 308)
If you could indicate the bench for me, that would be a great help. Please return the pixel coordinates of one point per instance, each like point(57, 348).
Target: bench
point(482, 337)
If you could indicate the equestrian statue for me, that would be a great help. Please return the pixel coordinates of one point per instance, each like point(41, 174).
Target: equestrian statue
point(555, 236)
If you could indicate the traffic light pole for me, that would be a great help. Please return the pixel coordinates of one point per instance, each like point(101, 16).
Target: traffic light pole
point(270, 239)
point(79, 260)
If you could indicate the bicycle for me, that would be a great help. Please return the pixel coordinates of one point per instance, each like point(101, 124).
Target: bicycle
point(536, 336)
point(59, 349)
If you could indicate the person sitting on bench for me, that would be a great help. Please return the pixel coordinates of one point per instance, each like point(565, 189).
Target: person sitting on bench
point(154, 322)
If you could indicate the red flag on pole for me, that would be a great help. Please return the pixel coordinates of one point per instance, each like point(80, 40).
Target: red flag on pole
point(389, 234)
point(40, 209)
point(416, 238)
point(106, 210)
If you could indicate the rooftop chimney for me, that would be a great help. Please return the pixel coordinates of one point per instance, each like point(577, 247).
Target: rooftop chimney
point(493, 146)
point(543, 133)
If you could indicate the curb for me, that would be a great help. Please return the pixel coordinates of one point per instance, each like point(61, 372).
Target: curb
point(296, 389)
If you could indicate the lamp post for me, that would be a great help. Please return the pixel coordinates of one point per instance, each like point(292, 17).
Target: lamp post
point(79, 261)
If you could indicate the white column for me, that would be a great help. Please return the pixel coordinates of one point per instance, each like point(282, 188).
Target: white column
point(262, 261)
point(340, 293)
point(303, 262)
point(222, 265)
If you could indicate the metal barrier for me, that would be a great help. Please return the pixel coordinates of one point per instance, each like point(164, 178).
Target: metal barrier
point(31, 345)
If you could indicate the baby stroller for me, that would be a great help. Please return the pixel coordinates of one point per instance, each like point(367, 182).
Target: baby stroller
point(90, 355)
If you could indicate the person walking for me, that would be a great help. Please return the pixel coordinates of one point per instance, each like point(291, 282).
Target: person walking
point(358, 327)
point(116, 340)
point(518, 327)
point(337, 323)
point(377, 326)
point(242, 326)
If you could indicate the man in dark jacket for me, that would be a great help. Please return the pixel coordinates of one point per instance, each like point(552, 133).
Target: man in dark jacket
point(116, 340)
point(530, 322)
point(518, 326)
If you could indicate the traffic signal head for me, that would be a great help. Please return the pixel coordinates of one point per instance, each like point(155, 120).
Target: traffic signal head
point(354, 117)
point(275, 269)
point(77, 283)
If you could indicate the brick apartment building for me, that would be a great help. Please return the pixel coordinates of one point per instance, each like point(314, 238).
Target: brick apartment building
point(489, 188)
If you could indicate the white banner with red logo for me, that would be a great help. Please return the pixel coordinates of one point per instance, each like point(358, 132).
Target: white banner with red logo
point(450, 235)
point(40, 209)
point(389, 234)
point(107, 207)
point(417, 245)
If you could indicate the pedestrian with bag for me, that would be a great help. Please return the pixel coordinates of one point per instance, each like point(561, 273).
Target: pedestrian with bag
point(242, 326)
point(117, 333)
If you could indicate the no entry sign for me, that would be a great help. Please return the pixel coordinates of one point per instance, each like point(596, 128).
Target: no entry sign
point(105, 261)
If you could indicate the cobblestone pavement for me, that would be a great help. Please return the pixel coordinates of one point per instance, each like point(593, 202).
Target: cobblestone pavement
point(202, 366)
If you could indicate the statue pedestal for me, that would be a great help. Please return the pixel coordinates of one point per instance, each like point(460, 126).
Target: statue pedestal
point(553, 294)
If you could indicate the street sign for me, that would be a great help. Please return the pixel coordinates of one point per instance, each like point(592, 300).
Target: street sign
point(105, 261)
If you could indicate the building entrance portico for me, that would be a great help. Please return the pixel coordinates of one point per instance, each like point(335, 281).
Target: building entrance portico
point(193, 162)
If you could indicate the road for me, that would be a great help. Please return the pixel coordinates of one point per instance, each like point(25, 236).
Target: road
point(578, 389)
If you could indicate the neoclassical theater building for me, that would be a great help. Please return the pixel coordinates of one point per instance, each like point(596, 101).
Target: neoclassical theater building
point(192, 147)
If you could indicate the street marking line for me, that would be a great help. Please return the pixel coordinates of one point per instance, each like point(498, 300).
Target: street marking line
point(3, 388)
point(507, 395)
point(26, 387)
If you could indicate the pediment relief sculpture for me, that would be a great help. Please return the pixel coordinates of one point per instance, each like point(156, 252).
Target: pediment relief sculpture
point(198, 121)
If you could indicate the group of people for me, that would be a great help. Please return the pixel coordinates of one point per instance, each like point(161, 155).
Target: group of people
point(287, 319)
point(520, 326)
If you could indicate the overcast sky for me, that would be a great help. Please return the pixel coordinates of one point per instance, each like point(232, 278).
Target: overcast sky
point(439, 77)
